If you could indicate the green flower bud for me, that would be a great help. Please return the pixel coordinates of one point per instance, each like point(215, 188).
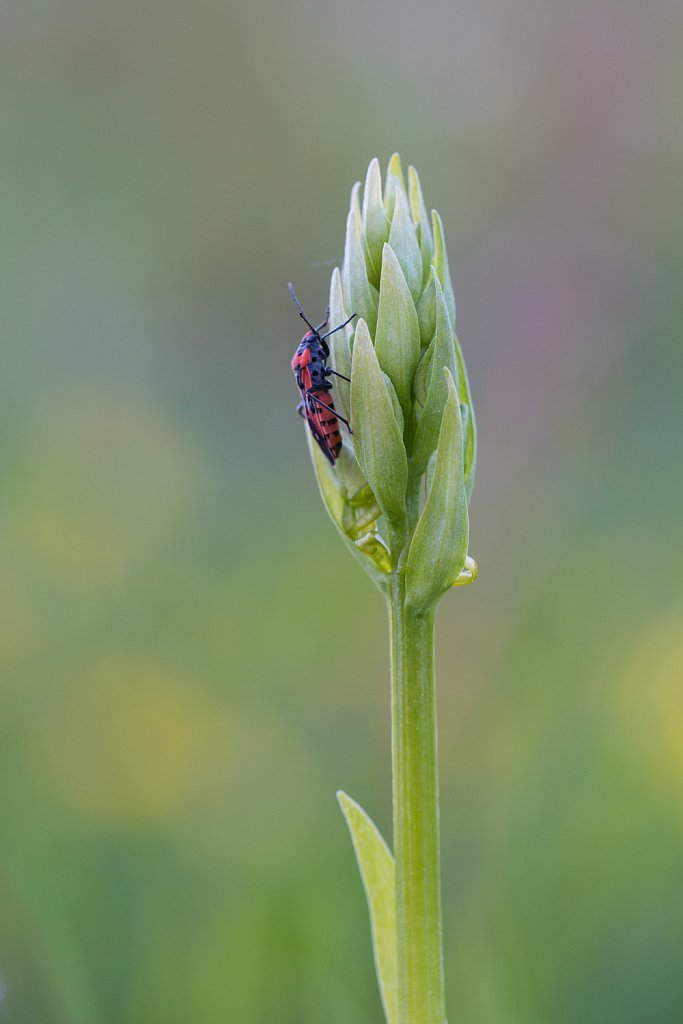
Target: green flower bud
point(408, 400)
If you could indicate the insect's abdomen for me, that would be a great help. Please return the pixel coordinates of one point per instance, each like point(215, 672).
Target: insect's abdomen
point(326, 421)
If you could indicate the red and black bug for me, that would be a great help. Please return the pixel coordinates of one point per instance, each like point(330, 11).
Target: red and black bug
point(310, 368)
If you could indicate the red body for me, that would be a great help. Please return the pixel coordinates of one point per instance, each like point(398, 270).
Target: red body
point(317, 405)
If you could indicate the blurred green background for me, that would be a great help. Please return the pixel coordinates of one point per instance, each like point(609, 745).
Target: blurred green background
point(172, 729)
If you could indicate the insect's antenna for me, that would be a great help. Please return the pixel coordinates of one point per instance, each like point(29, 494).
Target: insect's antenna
point(300, 307)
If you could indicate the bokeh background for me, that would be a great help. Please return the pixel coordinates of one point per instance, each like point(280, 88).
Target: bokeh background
point(173, 727)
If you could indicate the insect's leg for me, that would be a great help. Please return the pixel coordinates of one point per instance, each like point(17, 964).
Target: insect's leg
point(338, 328)
point(300, 410)
point(329, 370)
point(329, 409)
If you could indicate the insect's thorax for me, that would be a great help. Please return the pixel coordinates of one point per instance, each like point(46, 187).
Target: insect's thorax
point(309, 360)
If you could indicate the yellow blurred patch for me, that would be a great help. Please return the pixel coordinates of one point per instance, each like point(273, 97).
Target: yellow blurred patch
point(104, 478)
point(128, 744)
point(651, 696)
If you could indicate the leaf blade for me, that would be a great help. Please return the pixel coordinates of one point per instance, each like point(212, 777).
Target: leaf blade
point(378, 874)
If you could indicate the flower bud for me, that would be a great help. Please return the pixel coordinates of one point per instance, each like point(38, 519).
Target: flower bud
point(408, 400)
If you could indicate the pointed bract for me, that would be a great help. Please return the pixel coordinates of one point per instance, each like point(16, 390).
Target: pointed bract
point(439, 545)
point(418, 212)
point(443, 355)
point(358, 295)
point(377, 439)
point(395, 183)
point(339, 342)
point(426, 313)
point(397, 338)
point(441, 264)
point(403, 241)
point(375, 223)
point(465, 396)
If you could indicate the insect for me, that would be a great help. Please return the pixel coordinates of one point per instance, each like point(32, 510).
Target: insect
point(310, 368)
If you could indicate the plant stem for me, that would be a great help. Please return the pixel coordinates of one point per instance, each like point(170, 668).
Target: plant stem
point(416, 812)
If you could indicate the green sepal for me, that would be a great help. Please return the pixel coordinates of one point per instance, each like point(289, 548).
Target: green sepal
point(403, 241)
point(441, 264)
point(423, 229)
point(439, 545)
point(397, 339)
point(426, 313)
point(334, 496)
point(340, 341)
point(374, 220)
point(377, 437)
point(358, 294)
point(443, 355)
point(378, 873)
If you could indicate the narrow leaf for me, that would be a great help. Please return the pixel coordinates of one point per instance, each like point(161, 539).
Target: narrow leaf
point(340, 341)
point(377, 438)
point(441, 263)
point(397, 339)
point(426, 314)
point(418, 212)
point(443, 355)
point(395, 183)
point(379, 881)
point(423, 376)
point(358, 296)
point(375, 223)
point(465, 396)
point(439, 545)
point(403, 241)
point(354, 205)
point(395, 404)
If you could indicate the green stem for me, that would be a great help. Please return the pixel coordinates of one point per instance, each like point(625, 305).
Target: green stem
point(416, 813)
